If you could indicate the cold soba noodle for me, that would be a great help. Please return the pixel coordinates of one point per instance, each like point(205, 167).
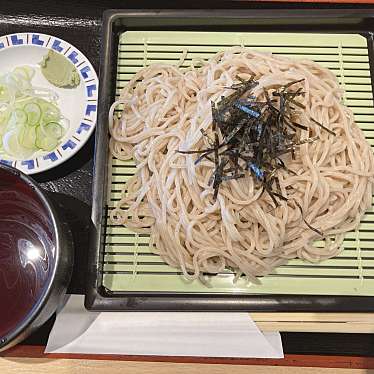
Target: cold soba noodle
point(172, 198)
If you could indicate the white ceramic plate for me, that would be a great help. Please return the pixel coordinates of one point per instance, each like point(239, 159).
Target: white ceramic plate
point(79, 104)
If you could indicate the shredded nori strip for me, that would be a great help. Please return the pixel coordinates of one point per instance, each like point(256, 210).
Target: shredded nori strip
point(323, 127)
point(255, 134)
point(308, 224)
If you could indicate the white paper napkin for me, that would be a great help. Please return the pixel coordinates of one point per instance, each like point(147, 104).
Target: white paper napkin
point(162, 333)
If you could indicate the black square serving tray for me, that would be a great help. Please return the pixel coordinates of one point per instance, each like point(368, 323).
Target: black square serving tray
point(115, 22)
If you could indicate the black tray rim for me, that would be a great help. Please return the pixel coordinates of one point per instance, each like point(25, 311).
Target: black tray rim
point(97, 297)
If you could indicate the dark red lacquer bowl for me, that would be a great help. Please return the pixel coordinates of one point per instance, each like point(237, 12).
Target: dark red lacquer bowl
point(35, 257)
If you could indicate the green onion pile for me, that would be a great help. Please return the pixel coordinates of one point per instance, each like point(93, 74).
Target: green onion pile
point(30, 120)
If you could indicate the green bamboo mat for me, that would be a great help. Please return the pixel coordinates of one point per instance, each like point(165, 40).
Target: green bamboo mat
point(129, 264)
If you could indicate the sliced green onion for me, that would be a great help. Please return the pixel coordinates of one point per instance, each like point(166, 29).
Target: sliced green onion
point(20, 116)
point(43, 142)
point(50, 112)
point(27, 137)
point(26, 72)
point(34, 113)
point(52, 130)
point(12, 146)
point(30, 119)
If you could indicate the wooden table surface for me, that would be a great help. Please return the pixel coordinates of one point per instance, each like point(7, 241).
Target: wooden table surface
point(31, 359)
point(62, 366)
point(71, 366)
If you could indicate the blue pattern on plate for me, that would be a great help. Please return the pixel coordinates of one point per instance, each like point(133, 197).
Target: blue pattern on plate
point(36, 40)
point(1, 45)
point(15, 40)
point(6, 162)
point(51, 156)
point(57, 45)
point(69, 144)
point(90, 108)
point(29, 163)
point(84, 72)
point(90, 90)
point(73, 57)
point(83, 127)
